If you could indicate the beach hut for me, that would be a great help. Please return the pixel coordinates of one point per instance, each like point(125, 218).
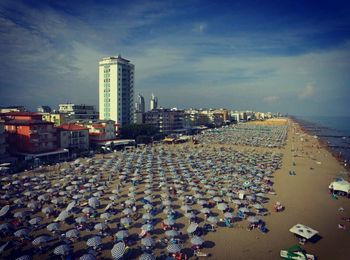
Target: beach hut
point(303, 232)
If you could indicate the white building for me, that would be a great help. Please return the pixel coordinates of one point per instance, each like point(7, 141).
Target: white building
point(74, 137)
point(116, 90)
point(154, 102)
point(73, 112)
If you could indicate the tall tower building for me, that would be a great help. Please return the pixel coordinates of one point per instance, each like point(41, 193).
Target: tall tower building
point(116, 90)
point(153, 102)
point(140, 104)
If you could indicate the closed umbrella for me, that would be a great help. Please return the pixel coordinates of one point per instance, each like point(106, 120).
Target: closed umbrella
point(196, 240)
point(100, 226)
point(94, 241)
point(146, 256)
point(73, 233)
point(87, 257)
point(4, 210)
point(118, 250)
point(62, 250)
point(53, 227)
point(41, 240)
point(171, 233)
point(21, 232)
point(192, 228)
point(122, 234)
point(173, 248)
point(147, 241)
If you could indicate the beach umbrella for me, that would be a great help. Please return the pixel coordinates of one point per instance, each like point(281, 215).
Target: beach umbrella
point(118, 250)
point(217, 199)
point(94, 241)
point(146, 256)
point(94, 202)
point(21, 214)
point(73, 233)
point(62, 216)
point(171, 233)
point(3, 247)
point(80, 220)
point(24, 257)
point(190, 215)
point(87, 210)
point(258, 206)
point(228, 215)
point(47, 210)
point(122, 234)
point(41, 240)
point(147, 241)
point(35, 221)
point(196, 240)
point(43, 197)
point(244, 210)
point(100, 226)
point(173, 248)
point(213, 220)
point(147, 206)
point(4, 210)
point(147, 216)
point(62, 250)
point(169, 222)
point(21, 232)
point(253, 219)
point(70, 206)
point(186, 208)
point(87, 257)
point(127, 211)
point(126, 221)
point(222, 206)
point(205, 211)
point(106, 215)
point(192, 228)
point(53, 227)
point(147, 227)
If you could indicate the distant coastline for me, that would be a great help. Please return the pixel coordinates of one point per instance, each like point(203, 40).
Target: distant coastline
point(332, 132)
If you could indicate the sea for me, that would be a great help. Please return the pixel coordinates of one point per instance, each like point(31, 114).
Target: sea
point(333, 130)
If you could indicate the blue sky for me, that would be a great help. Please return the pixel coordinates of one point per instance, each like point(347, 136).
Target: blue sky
point(287, 56)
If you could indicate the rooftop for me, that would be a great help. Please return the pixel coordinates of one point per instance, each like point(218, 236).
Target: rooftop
point(71, 127)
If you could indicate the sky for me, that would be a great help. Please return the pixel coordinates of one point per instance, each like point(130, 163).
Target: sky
point(280, 56)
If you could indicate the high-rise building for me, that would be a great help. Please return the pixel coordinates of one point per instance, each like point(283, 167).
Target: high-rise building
point(116, 90)
point(139, 110)
point(153, 102)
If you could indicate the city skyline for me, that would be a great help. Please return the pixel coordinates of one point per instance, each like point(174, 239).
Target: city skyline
point(290, 57)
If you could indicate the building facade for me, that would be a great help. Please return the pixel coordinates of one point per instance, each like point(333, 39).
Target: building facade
point(139, 110)
point(73, 112)
point(153, 102)
point(56, 118)
point(28, 133)
point(116, 90)
point(100, 131)
point(73, 137)
point(165, 120)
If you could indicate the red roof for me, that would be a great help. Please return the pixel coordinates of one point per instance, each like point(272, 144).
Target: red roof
point(71, 127)
point(20, 114)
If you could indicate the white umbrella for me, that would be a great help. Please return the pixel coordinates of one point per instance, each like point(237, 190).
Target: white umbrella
point(303, 231)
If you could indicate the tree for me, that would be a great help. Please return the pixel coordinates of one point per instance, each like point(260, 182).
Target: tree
point(132, 131)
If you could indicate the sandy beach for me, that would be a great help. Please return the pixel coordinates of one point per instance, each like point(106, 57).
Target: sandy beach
point(305, 196)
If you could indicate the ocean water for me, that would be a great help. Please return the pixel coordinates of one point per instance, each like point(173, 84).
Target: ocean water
point(333, 130)
point(338, 123)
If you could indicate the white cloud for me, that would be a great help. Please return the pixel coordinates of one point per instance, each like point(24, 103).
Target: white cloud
point(307, 91)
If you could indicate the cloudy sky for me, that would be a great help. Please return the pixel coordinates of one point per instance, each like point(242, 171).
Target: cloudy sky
point(287, 56)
